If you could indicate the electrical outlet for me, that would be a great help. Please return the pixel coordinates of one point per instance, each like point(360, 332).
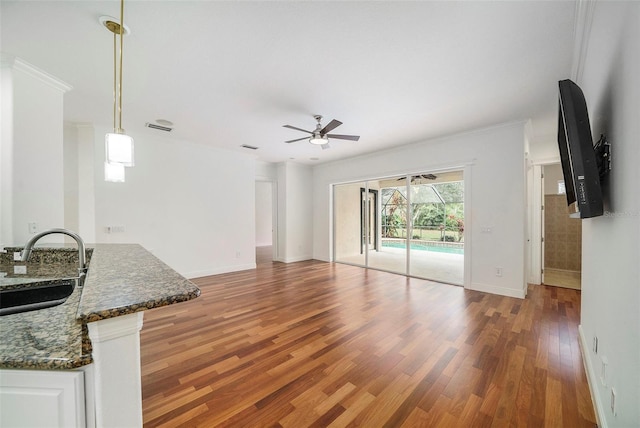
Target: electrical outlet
point(33, 227)
point(114, 229)
point(17, 256)
point(498, 271)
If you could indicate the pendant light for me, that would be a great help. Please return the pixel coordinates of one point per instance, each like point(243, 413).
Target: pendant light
point(114, 172)
point(118, 145)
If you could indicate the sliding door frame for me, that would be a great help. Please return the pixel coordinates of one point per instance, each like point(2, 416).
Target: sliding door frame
point(466, 169)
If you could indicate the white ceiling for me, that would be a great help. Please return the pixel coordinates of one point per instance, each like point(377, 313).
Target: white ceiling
point(232, 73)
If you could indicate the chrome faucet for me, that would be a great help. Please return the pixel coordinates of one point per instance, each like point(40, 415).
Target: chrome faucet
point(82, 268)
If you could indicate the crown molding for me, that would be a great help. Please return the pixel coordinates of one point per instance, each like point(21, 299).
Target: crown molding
point(15, 63)
point(581, 35)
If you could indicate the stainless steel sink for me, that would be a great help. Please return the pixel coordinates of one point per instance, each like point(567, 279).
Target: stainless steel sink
point(50, 294)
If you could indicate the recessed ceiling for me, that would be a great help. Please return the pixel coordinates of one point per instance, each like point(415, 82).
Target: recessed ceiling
point(232, 73)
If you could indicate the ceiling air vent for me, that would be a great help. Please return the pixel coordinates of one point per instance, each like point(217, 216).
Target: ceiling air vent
point(246, 146)
point(158, 127)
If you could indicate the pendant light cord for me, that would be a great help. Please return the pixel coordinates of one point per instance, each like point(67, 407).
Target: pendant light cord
point(115, 88)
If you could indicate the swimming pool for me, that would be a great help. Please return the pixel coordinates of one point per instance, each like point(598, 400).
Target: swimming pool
point(421, 246)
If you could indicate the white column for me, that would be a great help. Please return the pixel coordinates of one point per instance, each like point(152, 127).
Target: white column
point(116, 357)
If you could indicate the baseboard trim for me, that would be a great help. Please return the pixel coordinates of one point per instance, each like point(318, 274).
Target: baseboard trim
point(294, 259)
point(592, 379)
point(220, 270)
point(502, 291)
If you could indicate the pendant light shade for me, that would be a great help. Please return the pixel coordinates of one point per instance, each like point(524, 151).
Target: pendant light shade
point(119, 149)
point(114, 172)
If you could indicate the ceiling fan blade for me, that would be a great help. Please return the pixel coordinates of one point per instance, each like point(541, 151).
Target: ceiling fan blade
point(299, 139)
point(297, 129)
point(325, 146)
point(330, 127)
point(344, 137)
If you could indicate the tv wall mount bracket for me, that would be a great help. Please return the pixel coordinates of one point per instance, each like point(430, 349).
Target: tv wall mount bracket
point(602, 150)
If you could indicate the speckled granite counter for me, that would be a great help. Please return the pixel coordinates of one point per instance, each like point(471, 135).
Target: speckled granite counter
point(122, 279)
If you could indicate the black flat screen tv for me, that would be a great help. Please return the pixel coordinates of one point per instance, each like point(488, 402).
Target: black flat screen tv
point(579, 167)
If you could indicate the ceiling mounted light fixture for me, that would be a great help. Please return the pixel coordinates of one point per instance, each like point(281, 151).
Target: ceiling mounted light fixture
point(319, 139)
point(320, 136)
point(118, 145)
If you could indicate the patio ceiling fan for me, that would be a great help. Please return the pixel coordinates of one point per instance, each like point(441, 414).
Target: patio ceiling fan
point(420, 177)
point(320, 136)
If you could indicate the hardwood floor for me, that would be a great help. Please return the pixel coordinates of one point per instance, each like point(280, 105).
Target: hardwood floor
point(315, 344)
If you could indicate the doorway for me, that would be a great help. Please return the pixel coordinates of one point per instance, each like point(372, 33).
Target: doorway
point(266, 220)
point(562, 235)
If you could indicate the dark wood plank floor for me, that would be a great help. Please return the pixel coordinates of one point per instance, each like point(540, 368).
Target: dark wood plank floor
point(315, 344)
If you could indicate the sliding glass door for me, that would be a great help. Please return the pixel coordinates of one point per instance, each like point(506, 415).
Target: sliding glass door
point(349, 230)
point(437, 244)
point(392, 253)
point(412, 225)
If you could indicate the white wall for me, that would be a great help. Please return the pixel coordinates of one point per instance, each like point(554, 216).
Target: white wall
point(70, 176)
point(266, 171)
point(295, 212)
point(264, 210)
point(6, 150)
point(86, 181)
point(79, 180)
point(610, 81)
point(190, 204)
point(495, 177)
point(32, 152)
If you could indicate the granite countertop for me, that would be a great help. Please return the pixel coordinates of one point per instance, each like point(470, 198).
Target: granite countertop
point(34, 274)
point(122, 279)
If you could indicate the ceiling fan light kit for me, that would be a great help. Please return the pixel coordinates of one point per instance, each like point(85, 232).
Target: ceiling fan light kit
point(320, 136)
point(319, 140)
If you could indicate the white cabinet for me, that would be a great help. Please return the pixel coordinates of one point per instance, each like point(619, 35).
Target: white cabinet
point(106, 393)
point(39, 398)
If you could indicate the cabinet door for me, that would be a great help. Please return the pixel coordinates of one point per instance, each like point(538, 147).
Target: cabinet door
point(38, 398)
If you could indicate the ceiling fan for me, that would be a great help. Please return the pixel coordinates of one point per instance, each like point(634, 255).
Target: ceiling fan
point(420, 177)
point(320, 136)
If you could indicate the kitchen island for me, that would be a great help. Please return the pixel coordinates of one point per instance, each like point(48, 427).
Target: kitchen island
point(95, 332)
